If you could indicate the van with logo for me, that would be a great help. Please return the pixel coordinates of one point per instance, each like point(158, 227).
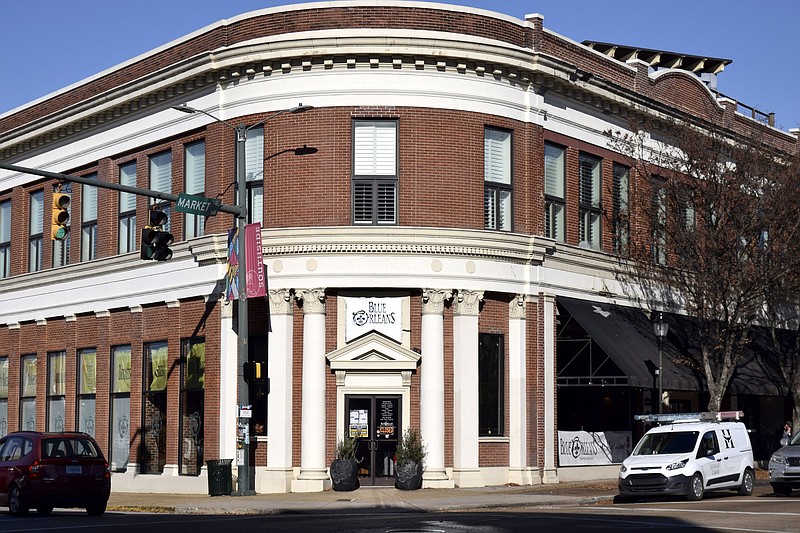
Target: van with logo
point(688, 455)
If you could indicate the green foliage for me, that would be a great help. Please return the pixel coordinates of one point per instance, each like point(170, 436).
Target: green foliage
point(346, 448)
point(410, 449)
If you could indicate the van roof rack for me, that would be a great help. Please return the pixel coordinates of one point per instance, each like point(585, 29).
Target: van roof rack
point(674, 418)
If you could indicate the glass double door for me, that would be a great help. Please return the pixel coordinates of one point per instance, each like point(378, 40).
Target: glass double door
point(375, 421)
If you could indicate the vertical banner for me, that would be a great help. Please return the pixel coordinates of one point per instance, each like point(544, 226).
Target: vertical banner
point(88, 377)
point(232, 275)
point(256, 281)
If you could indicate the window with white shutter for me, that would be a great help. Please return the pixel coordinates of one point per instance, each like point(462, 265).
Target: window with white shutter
point(127, 209)
point(5, 238)
point(35, 230)
point(554, 197)
point(195, 177)
point(161, 181)
point(497, 179)
point(589, 184)
point(254, 172)
point(375, 172)
point(89, 220)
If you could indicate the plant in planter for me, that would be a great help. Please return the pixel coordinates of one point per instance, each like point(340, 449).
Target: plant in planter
point(410, 456)
point(344, 468)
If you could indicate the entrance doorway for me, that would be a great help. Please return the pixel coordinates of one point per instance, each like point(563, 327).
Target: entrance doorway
point(375, 422)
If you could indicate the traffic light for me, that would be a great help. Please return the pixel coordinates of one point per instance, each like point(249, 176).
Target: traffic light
point(60, 220)
point(254, 372)
point(156, 241)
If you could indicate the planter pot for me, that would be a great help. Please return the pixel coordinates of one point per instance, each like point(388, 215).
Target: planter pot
point(408, 476)
point(344, 475)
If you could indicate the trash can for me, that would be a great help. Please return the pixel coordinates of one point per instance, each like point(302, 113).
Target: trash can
point(220, 478)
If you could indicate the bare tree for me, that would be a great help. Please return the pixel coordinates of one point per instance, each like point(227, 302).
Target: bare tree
point(705, 241)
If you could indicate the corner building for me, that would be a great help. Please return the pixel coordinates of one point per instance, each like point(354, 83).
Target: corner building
point(421, 266)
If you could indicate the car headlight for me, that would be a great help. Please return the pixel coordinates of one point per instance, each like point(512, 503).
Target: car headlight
point(779, 459)
point(677, 465)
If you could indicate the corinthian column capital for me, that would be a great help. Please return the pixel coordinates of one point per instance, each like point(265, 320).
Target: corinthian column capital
point(280, 302)
point(313, 300)
point(467, 302)
point(433, 300)
point(516, 307)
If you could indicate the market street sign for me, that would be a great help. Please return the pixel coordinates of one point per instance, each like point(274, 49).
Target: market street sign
point(197, 205)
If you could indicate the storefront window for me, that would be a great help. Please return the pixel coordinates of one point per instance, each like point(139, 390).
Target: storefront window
point(27, 408)
point(56, 403)
point(193, 360)
point(87, 388)
point(154, 409)
point(3, 396)
point(120, 407)
point(490, 384)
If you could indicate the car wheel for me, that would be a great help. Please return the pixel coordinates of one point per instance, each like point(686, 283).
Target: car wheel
point(96, 509)
point(747, 483)
point(696, 487)
point(16, 507)
point(44, 509)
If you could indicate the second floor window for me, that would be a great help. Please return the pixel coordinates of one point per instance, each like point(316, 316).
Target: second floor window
point(161, 181)
point(497, 179)
point(621, 209)
point(5, 238)
point(127, 209)
point(375, 172)
point(589, 185)
point(89, 221)
point(254, 172)
point(555, 203)
point(195, 176)
point(36, 228)
point(659, 222)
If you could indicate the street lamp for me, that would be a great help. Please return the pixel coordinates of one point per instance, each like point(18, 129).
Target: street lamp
point(661, 329)
point(243, 484)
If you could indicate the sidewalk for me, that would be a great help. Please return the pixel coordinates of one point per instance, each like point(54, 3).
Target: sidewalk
point(377, 498)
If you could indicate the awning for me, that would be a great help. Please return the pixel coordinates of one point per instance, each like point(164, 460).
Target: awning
point(626, 336)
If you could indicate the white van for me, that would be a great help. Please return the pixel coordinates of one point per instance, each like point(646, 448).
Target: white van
point(689, 454)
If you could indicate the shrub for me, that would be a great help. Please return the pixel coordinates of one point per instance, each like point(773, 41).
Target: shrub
point(346, 448)
point(410, 448)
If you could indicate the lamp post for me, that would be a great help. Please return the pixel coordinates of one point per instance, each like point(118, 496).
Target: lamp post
point(242, 353)
point(661, 329)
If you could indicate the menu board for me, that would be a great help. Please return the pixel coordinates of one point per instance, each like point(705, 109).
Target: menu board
point(359, 423)
point(387, 411)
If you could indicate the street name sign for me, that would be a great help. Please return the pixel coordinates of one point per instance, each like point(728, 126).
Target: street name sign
point(197, 205)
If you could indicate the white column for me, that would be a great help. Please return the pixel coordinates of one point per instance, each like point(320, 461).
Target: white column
point(465, 389)
point(313, 475)
point(228, 383)
point(550, 472)
point(431, 404)
point(279, 471)
point(518, 471)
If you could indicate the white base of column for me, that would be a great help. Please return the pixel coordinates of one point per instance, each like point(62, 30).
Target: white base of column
point(550, 476)
point(311, 485)
point(468, 478)
point(274, 480)
point(522, 476)
point(436, 479)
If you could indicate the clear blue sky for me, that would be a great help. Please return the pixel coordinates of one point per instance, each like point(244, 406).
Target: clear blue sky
point(49, 44)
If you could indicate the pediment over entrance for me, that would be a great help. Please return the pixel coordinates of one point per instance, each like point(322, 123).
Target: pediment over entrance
point(373, 351)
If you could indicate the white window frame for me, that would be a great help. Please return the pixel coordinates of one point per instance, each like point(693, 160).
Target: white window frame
point(555, 198)
point(497, 171)
point(194, 183)
point(590, 208)
point(375, 172)
point(126, 234)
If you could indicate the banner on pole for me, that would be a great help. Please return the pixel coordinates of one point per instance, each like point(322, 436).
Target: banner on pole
point(256, 279)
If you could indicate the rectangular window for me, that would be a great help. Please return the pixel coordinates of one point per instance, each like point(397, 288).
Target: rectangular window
point(89, 221)
point(5, 238)
point(193, 359)
point(659, 222)
point(375, 172)
point(27, 407)
point(61, 247)
point(154, 409)
point(497, 179)
point(555, 203)
point(590, 209)
point(127, 209)
point(490, 384)
point(621, 209)
point(87, 390)
point(254, 172)
point(56, 386)
point(119, 432)
point(195, 176)
point(161, 181)
point(36, 229)
point(3, 396)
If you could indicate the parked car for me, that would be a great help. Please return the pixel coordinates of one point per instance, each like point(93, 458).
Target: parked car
point(784, 467)
point(689, 454)
point(47, 470)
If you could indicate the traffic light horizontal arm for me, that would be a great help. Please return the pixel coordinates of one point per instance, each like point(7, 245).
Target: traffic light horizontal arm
point(231, 209)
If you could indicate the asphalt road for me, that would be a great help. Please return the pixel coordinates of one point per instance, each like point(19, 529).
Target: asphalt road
point(725, 512)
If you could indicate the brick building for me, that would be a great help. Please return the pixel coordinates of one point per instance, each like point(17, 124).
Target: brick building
point(421, 264)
